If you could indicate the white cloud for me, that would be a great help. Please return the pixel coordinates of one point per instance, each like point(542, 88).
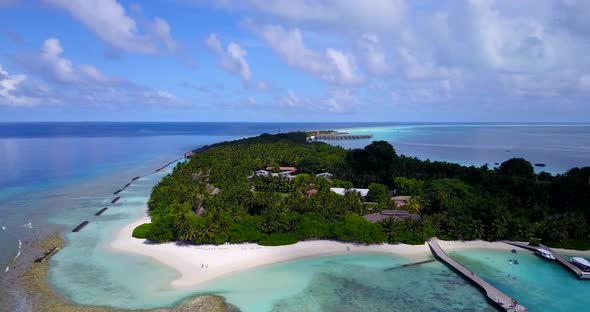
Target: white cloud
point(161, 31)
point(332, 65)
point(374, 56)
point(9, 90)
point(109, 20)
point(337, 100)
point(291, 100)
point(233, 60)
point(61, 69)
point(262, 85)
point(344, 65)
point(80, 84)
point(354, 15)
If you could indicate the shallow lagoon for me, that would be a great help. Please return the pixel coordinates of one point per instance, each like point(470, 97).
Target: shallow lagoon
point(361, 282)
point(538, 284)
point(74, 176)
point(88, 272)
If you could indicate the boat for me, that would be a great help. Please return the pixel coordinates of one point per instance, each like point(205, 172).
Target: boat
point(581, 263)
point(545, 254)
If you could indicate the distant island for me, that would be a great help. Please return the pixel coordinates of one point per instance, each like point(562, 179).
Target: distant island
point(281, 189)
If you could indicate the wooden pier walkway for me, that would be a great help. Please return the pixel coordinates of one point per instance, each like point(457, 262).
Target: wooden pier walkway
point(574, 269)
point(343, 136)
point(500, 299)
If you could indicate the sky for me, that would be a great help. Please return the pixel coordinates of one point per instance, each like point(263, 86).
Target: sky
point(295, 60)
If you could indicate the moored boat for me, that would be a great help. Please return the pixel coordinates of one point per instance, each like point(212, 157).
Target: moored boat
point(581, 263)
point(545, 254)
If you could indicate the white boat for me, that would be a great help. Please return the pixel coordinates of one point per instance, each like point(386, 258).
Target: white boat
point(581, 263)
point(545, 254)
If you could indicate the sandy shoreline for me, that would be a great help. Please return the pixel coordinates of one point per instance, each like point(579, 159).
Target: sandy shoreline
point(199, 264)
point(218, 261)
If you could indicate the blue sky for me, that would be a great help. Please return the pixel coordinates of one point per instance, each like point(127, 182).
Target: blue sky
point(288, 60)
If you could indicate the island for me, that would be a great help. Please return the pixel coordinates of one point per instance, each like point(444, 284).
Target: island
point(281, 189)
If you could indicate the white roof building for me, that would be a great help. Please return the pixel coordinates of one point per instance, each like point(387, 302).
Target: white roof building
point(326, 175)
point(342, 191)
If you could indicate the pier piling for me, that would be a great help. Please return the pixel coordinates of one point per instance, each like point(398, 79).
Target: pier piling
point(46, 254)
point(81, 226)
point(101, 211)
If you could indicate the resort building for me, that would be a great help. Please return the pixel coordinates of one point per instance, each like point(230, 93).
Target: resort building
point(284, 170)
point(213, 190)
point(325, 175)
point(261, 173)
point(396, 215)
point(201, 211)
point(341, 191)
point(287, 172)
point(401, 201)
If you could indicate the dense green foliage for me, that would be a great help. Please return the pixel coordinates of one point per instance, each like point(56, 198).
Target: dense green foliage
point(142, 231)
point(511, 202)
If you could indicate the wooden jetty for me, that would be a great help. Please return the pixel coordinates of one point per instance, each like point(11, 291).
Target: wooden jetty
point(410, 265)
point(115, 200)
point(45, 255)
point(500, 299)
point(566, 264)
point(81, 226)
point(101, 211)
point(417, 263)
point(343, 136)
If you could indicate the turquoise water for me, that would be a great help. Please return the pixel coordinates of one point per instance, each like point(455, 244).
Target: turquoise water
point(538, 284)
point(57, 175)
point(87, 271)
point(361, 282)
point(560, 147)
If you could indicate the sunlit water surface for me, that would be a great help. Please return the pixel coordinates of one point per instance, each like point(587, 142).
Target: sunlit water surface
point(54, 176)
point(538, 284)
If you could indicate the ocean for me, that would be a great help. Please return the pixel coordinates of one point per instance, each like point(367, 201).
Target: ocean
point(559, 146)
point(55, 175)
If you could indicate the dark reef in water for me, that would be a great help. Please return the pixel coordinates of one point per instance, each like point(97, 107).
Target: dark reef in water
point(42, 297)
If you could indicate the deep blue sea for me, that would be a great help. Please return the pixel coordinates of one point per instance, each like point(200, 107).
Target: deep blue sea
point(54, 175)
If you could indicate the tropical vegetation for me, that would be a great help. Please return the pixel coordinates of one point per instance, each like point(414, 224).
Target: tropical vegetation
point(453, 201)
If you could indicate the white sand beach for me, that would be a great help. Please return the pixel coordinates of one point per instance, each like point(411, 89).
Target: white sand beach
point(199, 264)
point(203, 263)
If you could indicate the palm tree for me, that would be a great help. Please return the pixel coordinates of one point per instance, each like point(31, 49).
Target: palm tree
point(500, 228)
point(477, 230)
point(389, 228)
